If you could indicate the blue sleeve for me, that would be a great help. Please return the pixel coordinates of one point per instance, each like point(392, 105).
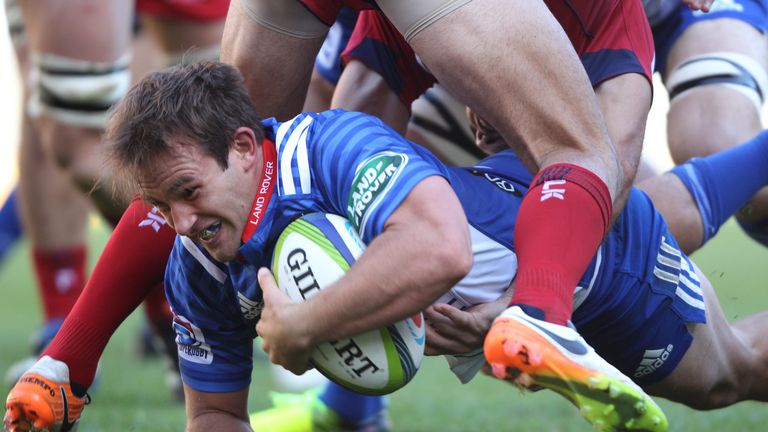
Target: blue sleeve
point(365, 168)
point(215, 343)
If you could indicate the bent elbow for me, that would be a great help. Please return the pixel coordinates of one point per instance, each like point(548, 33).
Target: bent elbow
point(457, 261)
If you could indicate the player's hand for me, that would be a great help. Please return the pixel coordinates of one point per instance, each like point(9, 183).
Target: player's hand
point(281, 328)
point(702, 5)
point(453, 331)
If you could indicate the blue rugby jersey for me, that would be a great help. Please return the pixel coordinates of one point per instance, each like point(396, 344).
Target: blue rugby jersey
point(353, 165)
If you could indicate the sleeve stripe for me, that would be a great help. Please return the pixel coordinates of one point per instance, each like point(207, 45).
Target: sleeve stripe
point(209, 266)
point(280, 133)
point(298, 138)
point(303, 163)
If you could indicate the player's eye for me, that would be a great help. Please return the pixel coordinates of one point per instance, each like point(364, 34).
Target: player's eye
point(189, 193)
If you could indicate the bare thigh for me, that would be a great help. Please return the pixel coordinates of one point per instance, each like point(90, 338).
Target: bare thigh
point(261, 54)
point(725, 362)
point(93, 30)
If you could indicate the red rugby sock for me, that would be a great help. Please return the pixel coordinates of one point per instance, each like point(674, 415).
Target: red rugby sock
point(561, 222)
point(131, 265)
point(61, 277)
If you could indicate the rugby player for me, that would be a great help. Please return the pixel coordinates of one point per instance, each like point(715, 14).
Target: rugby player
point(714, 68)
point(214, 263)
point(80, 63)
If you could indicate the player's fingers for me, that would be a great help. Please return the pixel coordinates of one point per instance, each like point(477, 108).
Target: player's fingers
point(456, 315)
point(703, 5)
point(437, 344)
point(265, 346)
point(446, 342)
point(266, 280)
point(433, 316)
point(272, 294)
point(444, 326)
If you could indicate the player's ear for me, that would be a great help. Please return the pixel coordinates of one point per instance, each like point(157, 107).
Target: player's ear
point(245, 146)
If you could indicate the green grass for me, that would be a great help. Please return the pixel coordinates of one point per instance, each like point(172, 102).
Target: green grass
point(131, 394)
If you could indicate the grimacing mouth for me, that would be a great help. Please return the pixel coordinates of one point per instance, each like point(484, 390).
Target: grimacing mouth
point(210, 231)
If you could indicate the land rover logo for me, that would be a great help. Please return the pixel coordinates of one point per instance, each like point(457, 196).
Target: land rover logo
point(373, 180)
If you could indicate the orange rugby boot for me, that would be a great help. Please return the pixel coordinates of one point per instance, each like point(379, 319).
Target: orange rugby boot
point(533, 353)
point(42, 400)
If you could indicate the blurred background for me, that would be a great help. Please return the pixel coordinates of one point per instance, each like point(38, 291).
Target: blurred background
point(10, 92)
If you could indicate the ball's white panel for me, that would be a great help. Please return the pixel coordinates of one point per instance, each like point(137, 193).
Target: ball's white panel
point(311, 254)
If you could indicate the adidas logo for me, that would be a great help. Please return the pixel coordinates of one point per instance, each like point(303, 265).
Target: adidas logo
point(154, 219)
point(652, 360)
point(249, 308)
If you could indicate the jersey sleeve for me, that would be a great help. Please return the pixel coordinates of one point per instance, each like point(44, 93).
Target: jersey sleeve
point(215, 343)
point(365, 169)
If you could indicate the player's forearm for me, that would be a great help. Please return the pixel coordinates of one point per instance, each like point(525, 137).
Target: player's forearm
point(422, 253)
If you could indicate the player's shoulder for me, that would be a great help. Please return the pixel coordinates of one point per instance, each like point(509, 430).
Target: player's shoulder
point(340, 120)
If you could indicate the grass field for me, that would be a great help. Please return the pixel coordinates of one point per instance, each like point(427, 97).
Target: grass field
point(131, 395)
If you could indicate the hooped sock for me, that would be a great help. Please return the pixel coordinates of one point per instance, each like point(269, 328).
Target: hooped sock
point(723, 182)
point(61, 277)
point(561, 222)
point(131, 265)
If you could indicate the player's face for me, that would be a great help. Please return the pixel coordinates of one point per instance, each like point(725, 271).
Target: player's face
point(486, 137)
point(199, 199)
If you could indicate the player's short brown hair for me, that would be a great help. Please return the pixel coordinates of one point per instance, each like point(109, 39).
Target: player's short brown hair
point(202, 102)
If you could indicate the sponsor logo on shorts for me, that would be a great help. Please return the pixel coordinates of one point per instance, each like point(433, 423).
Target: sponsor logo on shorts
point(374, 178)
point(191, 341)
point(652, 360)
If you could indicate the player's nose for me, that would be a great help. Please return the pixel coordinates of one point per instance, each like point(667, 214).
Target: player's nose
point(183, 218)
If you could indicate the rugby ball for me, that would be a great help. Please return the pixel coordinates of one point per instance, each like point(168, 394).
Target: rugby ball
point(311, 254)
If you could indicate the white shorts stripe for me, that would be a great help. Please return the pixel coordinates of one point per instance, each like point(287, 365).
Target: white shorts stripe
point(688, 299)
point(667, 261)
point(667, 248)
point(665, 275)
point(691, 285)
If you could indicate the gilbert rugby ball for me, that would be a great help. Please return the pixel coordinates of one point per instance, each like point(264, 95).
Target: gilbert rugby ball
point(311, 254)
